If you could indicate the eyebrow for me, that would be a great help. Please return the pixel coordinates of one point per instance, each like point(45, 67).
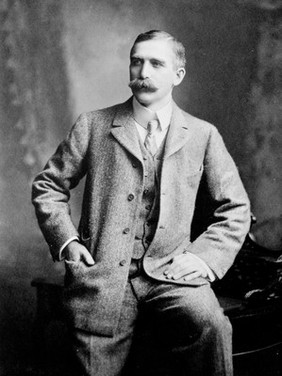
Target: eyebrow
point(152, 59)
point(158, 61)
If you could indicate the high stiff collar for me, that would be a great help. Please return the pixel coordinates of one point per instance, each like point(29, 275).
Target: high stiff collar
point(142, 115)
point(127, 135)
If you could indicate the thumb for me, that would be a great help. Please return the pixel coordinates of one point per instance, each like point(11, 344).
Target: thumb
point(88, 259)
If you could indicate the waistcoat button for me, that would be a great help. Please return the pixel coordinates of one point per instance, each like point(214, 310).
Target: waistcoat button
point(130, 197)
point(122, 262)
point(126, 230)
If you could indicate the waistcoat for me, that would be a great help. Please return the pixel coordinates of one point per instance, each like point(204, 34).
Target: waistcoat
point(149, 207)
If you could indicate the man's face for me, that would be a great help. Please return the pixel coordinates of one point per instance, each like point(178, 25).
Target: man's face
point(153, 64)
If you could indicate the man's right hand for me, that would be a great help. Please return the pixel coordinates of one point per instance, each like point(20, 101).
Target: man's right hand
point(76, 252)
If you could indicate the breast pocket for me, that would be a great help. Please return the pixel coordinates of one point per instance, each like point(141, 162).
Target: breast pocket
point(193, 177)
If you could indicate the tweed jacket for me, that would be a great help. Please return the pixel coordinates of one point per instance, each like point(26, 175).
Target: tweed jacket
point(204, 208)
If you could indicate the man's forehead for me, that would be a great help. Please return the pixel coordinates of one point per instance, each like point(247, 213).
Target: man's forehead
point(153, 47)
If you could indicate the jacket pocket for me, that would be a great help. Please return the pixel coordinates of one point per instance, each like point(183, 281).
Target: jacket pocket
point(73, 275)
point(195, 171)
point(79, 272)
point(193, 180)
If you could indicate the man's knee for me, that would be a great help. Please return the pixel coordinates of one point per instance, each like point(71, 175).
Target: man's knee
point(195, 317)
point(217, 324)
point(210, 318)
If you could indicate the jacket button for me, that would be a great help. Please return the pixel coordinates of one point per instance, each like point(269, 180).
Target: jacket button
point(122, 262)
point(148, 207)
point(134, 165)
point(126, 230)
point(146, 191)
point(130, 197)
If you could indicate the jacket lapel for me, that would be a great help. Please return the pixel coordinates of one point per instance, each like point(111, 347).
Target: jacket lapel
point(178, 133)
point(124, 130)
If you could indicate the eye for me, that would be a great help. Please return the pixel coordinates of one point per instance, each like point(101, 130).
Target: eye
point(135, 62)
point(157, 63)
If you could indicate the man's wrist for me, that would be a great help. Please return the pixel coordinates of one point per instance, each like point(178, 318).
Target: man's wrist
point(63, 249)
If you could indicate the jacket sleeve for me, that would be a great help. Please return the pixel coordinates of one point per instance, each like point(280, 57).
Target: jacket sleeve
point(229, 217)
point(51, 188)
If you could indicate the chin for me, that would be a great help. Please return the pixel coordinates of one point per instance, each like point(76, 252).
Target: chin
point(146, 99)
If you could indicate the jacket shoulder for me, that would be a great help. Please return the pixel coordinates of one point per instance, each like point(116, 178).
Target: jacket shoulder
point(198, 124)
point(104, 115)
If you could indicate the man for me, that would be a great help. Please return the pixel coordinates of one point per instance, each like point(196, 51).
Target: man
point(153, 174)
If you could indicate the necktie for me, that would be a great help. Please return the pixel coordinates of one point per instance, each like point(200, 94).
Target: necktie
point(150, 141)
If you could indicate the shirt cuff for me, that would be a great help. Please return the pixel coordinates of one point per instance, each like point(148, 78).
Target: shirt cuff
point(61, 251)
point(211, 276)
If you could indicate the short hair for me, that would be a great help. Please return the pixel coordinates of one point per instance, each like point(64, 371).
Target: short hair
point(177, 46)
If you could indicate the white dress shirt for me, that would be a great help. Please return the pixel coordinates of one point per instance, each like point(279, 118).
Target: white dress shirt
point(142, 115)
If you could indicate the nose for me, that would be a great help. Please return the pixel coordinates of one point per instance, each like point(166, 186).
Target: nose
point(145, 71)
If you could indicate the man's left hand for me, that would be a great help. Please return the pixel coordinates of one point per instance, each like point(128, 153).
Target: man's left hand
point(185, 266)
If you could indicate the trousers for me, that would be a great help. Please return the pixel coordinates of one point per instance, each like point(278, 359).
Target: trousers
point(189, 335)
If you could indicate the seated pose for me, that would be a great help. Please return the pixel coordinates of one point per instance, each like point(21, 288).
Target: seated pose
point(164, 214)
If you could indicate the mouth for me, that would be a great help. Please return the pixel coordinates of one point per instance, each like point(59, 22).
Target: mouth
point(142, 85)
point(145, 90)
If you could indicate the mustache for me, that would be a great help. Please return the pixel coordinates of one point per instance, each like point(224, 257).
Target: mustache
point(138, 84)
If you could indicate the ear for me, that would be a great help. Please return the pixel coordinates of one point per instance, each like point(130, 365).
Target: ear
point(179, 75)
